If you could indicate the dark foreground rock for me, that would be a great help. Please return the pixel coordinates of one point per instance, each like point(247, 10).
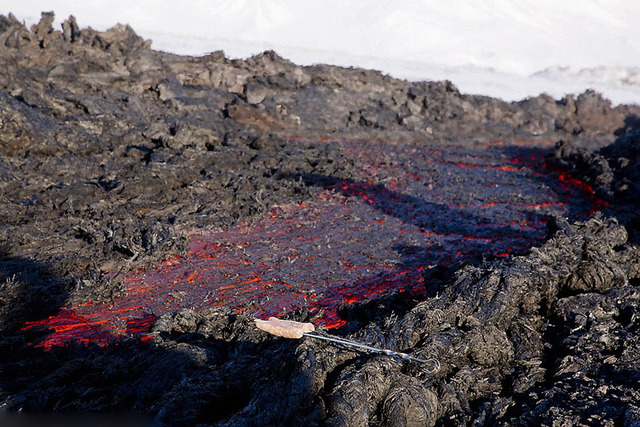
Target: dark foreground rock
point(111, 153)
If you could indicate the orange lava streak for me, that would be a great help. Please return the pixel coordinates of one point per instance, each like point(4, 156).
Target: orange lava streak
point(193, 276)
point(255, 279)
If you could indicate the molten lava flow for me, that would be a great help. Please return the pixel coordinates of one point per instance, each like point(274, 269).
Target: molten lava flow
point(408, 208)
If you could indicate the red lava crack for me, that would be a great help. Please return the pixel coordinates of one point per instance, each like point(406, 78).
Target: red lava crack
point(410, 208)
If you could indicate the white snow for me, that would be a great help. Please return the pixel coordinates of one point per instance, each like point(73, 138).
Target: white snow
point(505, 48)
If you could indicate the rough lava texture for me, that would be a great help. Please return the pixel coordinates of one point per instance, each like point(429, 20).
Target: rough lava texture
point(112, 153)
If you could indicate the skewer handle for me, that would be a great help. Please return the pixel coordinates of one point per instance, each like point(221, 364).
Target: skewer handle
point(284, 328)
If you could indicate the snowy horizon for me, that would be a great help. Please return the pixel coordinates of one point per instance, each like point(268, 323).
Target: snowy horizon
point(501, 48)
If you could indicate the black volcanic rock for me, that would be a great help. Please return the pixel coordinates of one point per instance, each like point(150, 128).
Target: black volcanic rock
point(111, 153)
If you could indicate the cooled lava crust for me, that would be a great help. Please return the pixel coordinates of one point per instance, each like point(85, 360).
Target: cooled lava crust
point(420, 208)
point(153, 205)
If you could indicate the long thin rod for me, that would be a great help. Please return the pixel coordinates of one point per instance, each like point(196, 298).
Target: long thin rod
point(403, 356)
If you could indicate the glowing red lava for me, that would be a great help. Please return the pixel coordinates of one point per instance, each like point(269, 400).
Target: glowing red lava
point(411, 208)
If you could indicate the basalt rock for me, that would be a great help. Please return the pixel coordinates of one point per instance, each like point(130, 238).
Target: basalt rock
point(113, 154)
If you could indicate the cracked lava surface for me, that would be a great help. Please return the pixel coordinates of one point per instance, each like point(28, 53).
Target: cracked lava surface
point(408, 208)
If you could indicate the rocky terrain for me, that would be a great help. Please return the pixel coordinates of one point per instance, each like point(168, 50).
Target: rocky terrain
point(113, 155)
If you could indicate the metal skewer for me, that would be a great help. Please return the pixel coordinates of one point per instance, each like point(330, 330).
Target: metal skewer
point(297, 330)
point(403, 356)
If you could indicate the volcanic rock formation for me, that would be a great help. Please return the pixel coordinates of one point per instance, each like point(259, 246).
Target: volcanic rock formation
point(153, 204)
